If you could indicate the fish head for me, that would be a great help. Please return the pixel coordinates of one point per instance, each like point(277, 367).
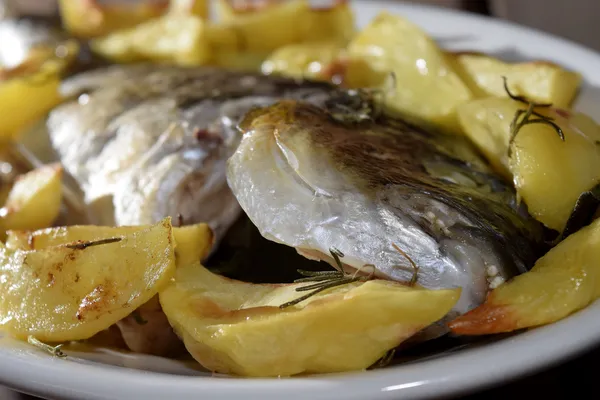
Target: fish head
point(394, 200)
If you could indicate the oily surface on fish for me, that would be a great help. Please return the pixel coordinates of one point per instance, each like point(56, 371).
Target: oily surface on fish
point(314, 180)
point(149, 141)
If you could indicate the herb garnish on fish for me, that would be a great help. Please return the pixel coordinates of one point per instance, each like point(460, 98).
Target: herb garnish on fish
point(325, 279)
point(329, 279)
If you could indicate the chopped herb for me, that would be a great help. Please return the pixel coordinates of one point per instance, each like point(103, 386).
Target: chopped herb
point(138, 318)
point(54, 350)
point(385, 360)
point(413, 267)
point(324, 279)
point(583, 212)
point(86, 244)
point(523, 117)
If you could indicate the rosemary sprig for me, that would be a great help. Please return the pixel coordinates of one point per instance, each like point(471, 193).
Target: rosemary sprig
point(54, 350)
point(524, 117)
point(86, 244)
point(323, 280)
point(385, 360)
point(137, 316)
point(414, 268)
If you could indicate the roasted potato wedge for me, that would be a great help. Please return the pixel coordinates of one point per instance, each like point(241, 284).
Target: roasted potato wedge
point(235, 327)
point(86, 19)
point(274, 24)
point(198, 8)
point(565, 280)
point(35, 199)
point(549, 174)
point(192, 242)
point(542, 82)
point(172, 38)
point(18, 109)
point(71, 292)
point(304, 60)
point(392, 44)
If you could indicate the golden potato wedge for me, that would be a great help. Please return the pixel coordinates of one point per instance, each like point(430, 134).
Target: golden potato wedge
point(542, 82)
point(35, 199)
point(392, 44)
point(303, 60)
point(18, 110)
point(86, 19)
point(192, 242)
point(173, 37)
point(235, 327)
point(71, 292)
point(273, 24)
point(549, 174)
point(199, 8)
point(562, 282)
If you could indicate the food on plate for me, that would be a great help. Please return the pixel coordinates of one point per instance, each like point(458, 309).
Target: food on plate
point(157, 141)
point(73, 291)
point(542, 82)
point(90, 18)
point(30, 73)
point(174, 38)
point(145, 330)
point(239, 328)
point(35, 199)
point(239, 41)
point(273, 24)
point(192, 242)
point(562, 282)
point(550, 174)
point(419, 206)
point(304, 60)
point(317, 175)
point(392, 44)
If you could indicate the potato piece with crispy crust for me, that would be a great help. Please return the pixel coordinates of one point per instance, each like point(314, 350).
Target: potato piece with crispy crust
point(565, 280)
point(236, 327)
point(71, 292)
point(35, 199)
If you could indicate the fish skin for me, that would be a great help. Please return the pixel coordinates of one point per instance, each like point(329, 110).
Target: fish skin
point(147, 141)
point(310, 181)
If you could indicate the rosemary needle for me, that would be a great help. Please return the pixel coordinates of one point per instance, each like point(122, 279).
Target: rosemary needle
point(54, 350)
point(84, 245)
point(523, 117)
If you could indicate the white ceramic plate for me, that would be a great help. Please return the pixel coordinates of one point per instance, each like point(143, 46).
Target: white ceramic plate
point(106, 375)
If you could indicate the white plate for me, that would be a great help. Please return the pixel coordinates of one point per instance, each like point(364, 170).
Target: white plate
point(105, 375)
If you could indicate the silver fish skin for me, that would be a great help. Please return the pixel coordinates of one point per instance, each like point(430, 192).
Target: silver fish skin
point(149, 141)
point(319, 178)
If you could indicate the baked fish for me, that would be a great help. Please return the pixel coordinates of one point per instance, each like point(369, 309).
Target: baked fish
point(409, 202)
point(148, 141)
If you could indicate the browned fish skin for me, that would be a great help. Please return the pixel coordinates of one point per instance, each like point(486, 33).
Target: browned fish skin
point(318, 178)
point(152, 140)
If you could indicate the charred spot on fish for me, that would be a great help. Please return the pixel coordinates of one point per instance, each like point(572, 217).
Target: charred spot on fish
point(206, 135)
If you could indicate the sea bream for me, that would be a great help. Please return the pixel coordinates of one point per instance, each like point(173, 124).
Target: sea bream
point(395, 199)
point(149, 141)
